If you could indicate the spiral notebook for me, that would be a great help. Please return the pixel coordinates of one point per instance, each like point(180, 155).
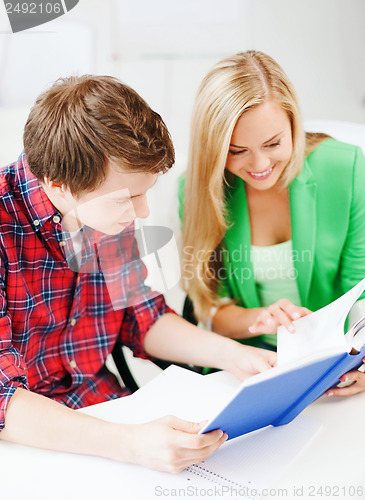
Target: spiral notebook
point(255, 461)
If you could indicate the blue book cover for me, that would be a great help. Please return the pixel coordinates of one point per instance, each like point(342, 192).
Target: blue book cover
point(277, 396)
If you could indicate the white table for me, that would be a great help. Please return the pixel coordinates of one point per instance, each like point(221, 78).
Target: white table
point(335, 458)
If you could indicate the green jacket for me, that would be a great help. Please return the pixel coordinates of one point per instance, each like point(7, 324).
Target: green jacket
point(327, 204)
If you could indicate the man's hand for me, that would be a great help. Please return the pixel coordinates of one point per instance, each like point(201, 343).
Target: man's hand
point(170, 444)
point(243, 361)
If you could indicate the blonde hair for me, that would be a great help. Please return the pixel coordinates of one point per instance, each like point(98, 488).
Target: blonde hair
point(233, 86)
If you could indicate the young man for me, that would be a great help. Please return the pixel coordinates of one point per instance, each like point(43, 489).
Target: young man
point(72, 283)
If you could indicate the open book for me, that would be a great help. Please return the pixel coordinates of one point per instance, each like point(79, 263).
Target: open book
point(309, 363)
point(356, 336)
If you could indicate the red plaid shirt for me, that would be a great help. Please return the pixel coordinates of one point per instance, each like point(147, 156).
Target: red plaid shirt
point(58, 322)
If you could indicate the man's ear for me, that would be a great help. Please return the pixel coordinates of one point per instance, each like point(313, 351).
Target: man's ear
point(55, 187)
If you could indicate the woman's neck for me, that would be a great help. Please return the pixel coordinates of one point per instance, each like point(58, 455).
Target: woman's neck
point(269, 214)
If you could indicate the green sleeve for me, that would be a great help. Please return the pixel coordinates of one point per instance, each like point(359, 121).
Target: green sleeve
point(353, 256)
point(181, 196)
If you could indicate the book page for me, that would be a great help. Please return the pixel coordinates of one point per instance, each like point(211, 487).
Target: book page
point(175, 391)
point(319, 331)
point(355, 337)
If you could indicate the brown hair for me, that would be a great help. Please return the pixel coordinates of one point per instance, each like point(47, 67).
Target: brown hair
point(80, 123)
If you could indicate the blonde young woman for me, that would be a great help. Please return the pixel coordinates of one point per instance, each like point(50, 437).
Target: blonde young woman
point(273, 218)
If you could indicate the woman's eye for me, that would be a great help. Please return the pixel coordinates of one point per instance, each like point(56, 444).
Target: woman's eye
point(272, 145)
point(234, 153)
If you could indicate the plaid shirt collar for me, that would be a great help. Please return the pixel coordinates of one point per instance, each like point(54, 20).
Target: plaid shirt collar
point(40, 210)
point(38, 205)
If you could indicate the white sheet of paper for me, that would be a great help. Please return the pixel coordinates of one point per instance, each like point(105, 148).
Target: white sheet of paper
point(318, 331)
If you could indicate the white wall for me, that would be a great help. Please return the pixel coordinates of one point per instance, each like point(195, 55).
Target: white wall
point(163, 48)
point(320, 44)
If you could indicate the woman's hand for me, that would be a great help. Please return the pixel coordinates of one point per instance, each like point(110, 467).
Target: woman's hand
point(170, 444)
point(282, 312)
point(358, 385)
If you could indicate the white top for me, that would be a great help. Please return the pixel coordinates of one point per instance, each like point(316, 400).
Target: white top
point(274, 273)
point(275, 278)
point(76, 237)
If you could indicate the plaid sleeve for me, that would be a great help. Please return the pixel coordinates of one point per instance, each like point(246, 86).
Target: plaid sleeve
point(144, 310)
point(12, 366)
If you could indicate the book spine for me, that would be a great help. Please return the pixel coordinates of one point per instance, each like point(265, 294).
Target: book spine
point(329, 379)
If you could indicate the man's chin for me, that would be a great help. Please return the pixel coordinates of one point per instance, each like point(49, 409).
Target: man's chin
point(115, 228)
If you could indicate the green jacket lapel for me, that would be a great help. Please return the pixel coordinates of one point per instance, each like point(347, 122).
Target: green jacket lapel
point(238, 243)
point(303, 200)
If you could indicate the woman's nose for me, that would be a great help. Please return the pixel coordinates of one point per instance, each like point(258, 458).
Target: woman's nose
point(260, 162)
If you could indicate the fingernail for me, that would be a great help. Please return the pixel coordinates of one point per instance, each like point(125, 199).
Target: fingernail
point(225, 436)
point(291, 328)
point(296, 315)
point(250, 328)
point(220, 434)
point(329, 393)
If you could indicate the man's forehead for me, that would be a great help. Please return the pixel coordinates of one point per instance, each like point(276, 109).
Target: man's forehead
point(130, 184)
